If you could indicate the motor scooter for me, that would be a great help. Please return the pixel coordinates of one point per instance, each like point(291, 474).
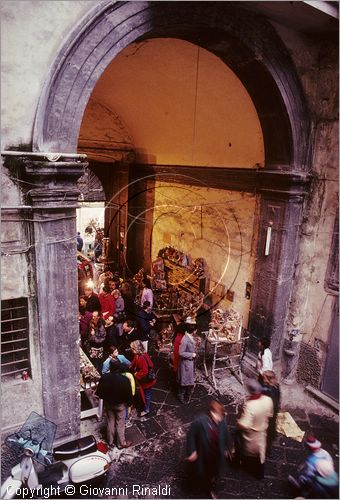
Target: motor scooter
point(44, 471)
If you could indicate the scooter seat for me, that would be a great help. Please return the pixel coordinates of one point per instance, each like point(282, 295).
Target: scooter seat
point(76, 448)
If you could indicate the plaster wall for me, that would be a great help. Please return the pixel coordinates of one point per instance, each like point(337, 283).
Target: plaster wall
point(181, 105)
point(32, 33)
point(317, 64)
point(217, 225)
point(311, 307)
point(16, 282)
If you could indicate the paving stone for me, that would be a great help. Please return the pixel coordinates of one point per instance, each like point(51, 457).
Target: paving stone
point(271, 468)
point(134, 434)
point(172, 400)
point(294, 456)
point(137, 469)
point(321, 421)
point(288, 442)
point(253, 488)
point(159, 470)
point(276, 453)
point(229, 488)
point(284, 470)
point(169, 450)
point(159, 395)
point(150, 427)
point(199, 391)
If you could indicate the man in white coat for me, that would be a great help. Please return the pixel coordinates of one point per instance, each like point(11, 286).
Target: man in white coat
point(253, 424)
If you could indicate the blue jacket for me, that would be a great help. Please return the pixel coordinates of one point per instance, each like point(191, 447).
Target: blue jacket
point(121, 358)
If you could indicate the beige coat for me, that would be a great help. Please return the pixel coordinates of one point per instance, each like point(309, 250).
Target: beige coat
point(254, 423)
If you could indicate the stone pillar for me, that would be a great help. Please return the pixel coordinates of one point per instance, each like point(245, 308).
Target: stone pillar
point(53, 195)
point(277, 254)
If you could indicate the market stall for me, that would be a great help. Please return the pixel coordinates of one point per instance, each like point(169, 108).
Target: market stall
point(91, 405)
point(227, 340)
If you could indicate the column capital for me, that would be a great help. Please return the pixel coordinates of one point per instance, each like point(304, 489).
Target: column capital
point(51, 178)
point(283, 183)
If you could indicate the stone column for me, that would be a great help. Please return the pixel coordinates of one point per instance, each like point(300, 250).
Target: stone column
point(277, 253)
point(53, 195)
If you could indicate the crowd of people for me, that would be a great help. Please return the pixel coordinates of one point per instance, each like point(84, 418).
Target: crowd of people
point(120, 341)
point(116, 331)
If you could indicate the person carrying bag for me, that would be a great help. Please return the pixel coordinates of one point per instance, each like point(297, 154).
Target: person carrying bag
point(144, 373)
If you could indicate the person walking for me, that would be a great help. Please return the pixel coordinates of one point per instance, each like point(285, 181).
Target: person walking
point(115, 390)
point(208, 446)
point(317, 478)
point(140, 366)
point(253, 424)
point(186, 367)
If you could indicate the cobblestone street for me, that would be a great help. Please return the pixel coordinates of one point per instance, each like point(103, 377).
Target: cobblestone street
point(156, 458)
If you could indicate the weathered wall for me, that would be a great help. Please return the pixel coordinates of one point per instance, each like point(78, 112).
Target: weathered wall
point(219, 226)
point(182, 106)
point(17, 268)
point(32, 33)
point(312, 303)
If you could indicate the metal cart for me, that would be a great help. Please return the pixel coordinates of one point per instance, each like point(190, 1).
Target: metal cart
point(230, 354)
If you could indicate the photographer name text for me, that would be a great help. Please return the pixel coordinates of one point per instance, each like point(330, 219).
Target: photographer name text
point(161, 490)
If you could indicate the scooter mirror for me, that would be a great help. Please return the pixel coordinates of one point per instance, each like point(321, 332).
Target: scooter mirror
point(28, 452)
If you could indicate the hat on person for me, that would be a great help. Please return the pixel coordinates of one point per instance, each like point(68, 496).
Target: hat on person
point(324, 468)
point(190, 321)
point(254, 387)
point(313, 443)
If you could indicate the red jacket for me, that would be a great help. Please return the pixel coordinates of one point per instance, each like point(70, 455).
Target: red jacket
point(107, 304)
point(175, 360)
point(140, 366)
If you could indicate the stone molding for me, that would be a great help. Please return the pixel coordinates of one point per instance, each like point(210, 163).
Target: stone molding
point(281, 183)
point(245, 41)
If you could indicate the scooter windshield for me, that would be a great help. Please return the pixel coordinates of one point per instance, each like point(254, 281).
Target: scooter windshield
point(36, 437)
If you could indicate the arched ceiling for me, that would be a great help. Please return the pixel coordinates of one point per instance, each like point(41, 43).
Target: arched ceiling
point(172, 103)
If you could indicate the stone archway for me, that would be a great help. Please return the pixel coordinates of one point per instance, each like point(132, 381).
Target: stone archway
point(251, 48)
point(243, 40)
point(249, 45)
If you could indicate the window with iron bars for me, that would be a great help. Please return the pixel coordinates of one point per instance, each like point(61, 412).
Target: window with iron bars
point(15, 357)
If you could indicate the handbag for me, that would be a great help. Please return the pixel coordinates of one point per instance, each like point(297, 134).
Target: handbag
point(151, 376)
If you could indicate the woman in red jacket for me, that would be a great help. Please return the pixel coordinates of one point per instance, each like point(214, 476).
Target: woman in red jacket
point(140, 367)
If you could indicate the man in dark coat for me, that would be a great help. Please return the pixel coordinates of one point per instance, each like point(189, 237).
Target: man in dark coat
point(80, 242)
point(92, 300)
point(208, 445)
point(130, 334)
point(146, 322)
point(115, 390)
